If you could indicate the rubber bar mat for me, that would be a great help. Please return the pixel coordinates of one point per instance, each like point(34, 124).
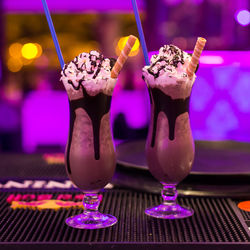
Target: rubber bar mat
point(216, 222)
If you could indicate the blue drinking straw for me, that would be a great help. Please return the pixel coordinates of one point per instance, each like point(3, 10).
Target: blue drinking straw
point(140, 31)
point(53, 33)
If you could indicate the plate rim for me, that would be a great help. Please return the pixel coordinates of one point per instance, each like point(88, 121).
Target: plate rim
point(196, 173)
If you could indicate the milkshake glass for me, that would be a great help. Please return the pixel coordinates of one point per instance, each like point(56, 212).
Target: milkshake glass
point(169, 146)
point(90, 156)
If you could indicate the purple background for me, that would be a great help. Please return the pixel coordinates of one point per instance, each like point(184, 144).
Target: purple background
point(220, 105)
point(70, 6)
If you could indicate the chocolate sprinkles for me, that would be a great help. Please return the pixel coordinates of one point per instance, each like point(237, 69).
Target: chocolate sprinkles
point(95, 59)
point(170, 50)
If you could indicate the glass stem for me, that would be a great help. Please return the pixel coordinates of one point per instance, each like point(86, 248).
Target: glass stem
point(169, 194)
point(91, 202)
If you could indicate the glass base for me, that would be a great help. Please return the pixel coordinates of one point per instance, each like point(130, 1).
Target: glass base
point(169, 212)
point(91, 220)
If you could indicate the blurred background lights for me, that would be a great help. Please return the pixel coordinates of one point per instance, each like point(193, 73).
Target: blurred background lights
point(243, 17)
point(121, 43)
point(39, 50)
point(22, 54)
point(29, 50)
point(15, 50)
point(42, 62)
point(14, 64)
point(26, 61)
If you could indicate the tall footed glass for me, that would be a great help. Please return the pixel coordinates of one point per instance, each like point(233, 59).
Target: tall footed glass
point(90, 155)
point(169, 147)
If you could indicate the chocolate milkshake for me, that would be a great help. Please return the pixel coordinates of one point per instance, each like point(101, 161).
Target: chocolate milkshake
point(170, 145)
point(90, 156)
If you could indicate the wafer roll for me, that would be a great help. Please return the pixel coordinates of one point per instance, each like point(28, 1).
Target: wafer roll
point(123, 56)
point(200, 44)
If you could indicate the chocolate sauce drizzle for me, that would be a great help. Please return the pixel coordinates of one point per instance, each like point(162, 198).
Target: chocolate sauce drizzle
point(178, 57)
point(96, 107)
point(96, 65)
point(171, 107)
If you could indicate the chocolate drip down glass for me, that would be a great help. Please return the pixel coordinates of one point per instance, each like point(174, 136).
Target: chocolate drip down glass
point(90, 156)
point(169, 149)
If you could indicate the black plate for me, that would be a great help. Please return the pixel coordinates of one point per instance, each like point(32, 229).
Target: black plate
point(211, 157)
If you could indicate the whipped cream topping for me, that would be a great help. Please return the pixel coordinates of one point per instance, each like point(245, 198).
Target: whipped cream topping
point(90, 70)
point(167, 71)
point(167, 67)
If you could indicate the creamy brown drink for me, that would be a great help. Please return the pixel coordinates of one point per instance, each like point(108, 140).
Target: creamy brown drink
point(90, 156)
point(170, 147)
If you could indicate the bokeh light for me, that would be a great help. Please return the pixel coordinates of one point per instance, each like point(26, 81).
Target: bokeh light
point(42, 62)
point(243, 17)
point(39, 49)
point(121, 43)
point(15, 50)
point(26, 61)
point(14, 64)
point(29, 51)
point(21, 55)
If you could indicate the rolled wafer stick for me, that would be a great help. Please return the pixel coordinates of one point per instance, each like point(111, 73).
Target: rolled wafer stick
point(123, 56)
point(199, 46)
